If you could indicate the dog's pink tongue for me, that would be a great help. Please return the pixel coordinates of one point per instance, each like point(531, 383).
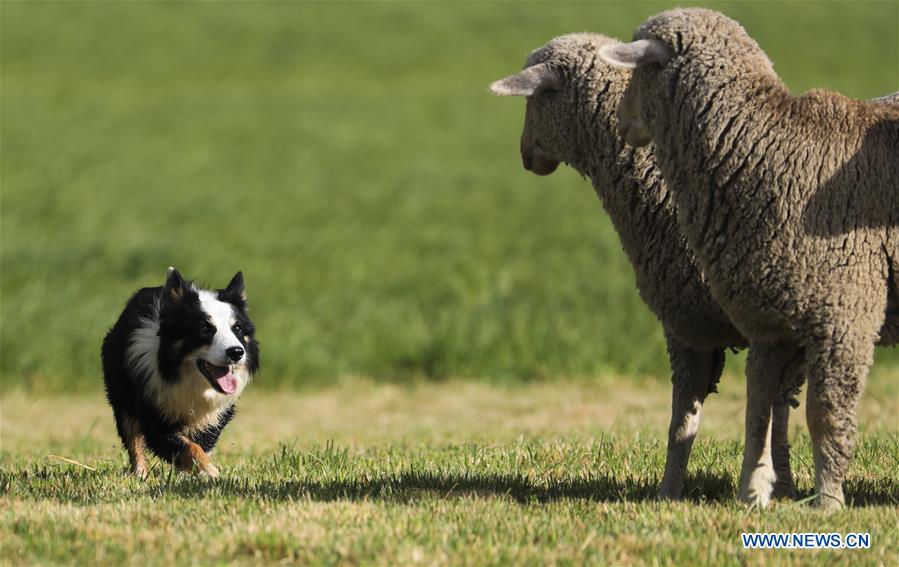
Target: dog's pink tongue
point(223, 376)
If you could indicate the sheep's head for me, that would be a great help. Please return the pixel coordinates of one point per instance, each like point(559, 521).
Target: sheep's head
point(550, 81)
point(704, 45)
point(533, 81)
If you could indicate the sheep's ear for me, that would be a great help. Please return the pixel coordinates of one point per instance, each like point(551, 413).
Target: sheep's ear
point(528, 81)
point(636, 53)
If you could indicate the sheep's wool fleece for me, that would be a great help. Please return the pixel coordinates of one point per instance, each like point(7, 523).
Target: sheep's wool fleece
point(791, 203)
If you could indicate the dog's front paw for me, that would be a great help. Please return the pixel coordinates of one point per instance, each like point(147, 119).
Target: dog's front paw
point(209, 470)
point(193, 459)
point(139, 471)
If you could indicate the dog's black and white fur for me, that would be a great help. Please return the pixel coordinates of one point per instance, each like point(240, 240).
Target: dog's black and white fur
point(174, 364)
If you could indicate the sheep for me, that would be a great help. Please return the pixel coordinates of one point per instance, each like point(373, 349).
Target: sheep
point(570, 117)
point(791, 206)
point(890, 98)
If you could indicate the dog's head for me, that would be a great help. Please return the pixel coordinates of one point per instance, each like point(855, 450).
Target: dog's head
point(206, 335)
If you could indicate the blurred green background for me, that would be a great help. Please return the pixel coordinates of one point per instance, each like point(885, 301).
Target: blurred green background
point(347, 158)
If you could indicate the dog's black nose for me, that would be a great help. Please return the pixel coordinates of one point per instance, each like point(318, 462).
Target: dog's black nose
point(234, 353)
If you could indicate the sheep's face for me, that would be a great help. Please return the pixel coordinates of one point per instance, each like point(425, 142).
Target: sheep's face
point(631, 127)
point(549, 136)
point(541, 144)
point(647, 58)
point(706, 46)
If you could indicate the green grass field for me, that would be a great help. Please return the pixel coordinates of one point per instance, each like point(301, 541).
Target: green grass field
point(348, 159)
point(457, 368)
point(455, 473)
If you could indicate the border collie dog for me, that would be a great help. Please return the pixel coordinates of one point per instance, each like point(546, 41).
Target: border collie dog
point(174, 365)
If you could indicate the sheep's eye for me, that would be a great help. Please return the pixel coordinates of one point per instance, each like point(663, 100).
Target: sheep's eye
point(208, 328)
point(237, 329)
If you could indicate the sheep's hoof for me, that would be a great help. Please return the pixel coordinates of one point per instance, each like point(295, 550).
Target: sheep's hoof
point(667, 491)
point(757, 487)
point(664, 495)
point(784, 490)
point(755, 500)
point(828, 502)
point(757, 493)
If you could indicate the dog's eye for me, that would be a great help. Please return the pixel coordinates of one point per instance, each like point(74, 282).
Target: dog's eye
point(237, 329)
point(208, 328)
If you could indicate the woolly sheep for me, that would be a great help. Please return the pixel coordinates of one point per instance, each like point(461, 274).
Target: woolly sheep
point(791, 205)
point(570, 117)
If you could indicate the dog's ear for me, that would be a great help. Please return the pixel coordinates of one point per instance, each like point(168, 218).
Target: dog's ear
point(234, 292)
point(176, 287)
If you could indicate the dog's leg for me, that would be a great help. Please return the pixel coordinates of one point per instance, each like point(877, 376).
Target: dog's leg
point(177, 448)
point(192, 458)
point(133, 439)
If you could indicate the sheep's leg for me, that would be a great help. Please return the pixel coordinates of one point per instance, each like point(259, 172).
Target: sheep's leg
point(784, 487)
point(694, 375)
point(765, 369)
point(838, 369)
point(791, 382)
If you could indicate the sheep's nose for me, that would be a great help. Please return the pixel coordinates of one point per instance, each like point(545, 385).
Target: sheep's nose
point(234, 353)
point(527, 160)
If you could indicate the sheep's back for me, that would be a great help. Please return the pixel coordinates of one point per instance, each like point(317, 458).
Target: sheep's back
point(803, 207)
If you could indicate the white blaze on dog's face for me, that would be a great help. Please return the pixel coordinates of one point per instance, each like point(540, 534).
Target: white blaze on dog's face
point(222, 316)
point(222, 362)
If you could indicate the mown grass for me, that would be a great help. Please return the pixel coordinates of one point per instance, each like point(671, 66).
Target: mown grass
point(347, 158)
point(455, 473)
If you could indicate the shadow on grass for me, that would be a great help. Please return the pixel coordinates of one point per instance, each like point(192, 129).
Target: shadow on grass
point(409, 487)
point(86, 487)
point(413, 486)
point(860, 493)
